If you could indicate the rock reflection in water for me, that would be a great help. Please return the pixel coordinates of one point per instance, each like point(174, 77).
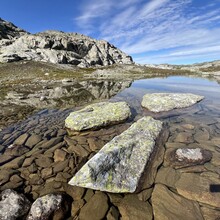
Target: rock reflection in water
point(69, 93)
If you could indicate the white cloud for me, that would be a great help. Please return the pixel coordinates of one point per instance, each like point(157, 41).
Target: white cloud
point(138, 27)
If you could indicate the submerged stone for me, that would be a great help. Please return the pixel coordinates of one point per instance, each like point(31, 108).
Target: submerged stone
point(185, 157)
point(118, 166)
point(159, 102)
point(98, 115)
point(168, 205)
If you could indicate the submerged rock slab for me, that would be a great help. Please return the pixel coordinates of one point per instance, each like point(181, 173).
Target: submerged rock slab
point(169, 206)
point(118, 166)
point(185, 157)
point(98, 115)
point(199, 187)
point(159, 102)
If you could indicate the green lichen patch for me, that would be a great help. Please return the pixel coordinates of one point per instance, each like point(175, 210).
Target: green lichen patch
point(98, 115)
point(118, 166)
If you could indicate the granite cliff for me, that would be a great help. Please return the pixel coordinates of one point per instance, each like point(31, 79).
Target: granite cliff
point(57, 47)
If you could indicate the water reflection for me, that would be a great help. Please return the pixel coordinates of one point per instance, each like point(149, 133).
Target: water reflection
point(68, 93)
point(179, 84)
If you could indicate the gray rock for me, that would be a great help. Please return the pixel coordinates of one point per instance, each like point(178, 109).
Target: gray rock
point(98, 115)
point(57, 47)
point(159, 102)
point(185, 157)
point(170, 206)
point(118, 166)
point(13, 205)
point(9, 31)
point(44, 206)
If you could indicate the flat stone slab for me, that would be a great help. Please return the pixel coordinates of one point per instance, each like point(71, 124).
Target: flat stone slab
point(185, 157)
point(159, 102)
point(118, 166)
point(168, 205)
point(98, 115)
point(197, 187)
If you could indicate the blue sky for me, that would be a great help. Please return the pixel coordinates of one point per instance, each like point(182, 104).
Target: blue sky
point(151, 31)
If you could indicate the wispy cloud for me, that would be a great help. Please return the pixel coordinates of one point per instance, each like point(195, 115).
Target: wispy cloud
point(150, 28)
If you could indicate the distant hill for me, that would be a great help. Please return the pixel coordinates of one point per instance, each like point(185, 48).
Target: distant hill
point(57, 47)
point(206, 67)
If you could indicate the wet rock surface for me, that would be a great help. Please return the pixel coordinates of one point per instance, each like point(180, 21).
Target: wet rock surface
point(98, 115)
point(168, 205)
point(114, 168)
point(197, 184)
point(198, 187)
point(159, 102)
point(185, 157)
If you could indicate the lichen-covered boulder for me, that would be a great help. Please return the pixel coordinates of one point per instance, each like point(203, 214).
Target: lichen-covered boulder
point(98, 115)
point(44, 206)
point(13, 205)
point(118, 166)
point(159, 102)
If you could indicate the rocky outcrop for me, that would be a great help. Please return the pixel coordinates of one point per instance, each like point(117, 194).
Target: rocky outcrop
point(159, 102)
point(98, 115)
point(118, 166)
point(9, 31)
point(58, 47)
point(13, 205)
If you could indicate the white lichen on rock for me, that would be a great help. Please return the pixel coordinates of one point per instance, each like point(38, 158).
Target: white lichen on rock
point(189, 154)
point(13, 205)
point(118, 166)
point(159, 102)
point(98, 115)
point(44, 206)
